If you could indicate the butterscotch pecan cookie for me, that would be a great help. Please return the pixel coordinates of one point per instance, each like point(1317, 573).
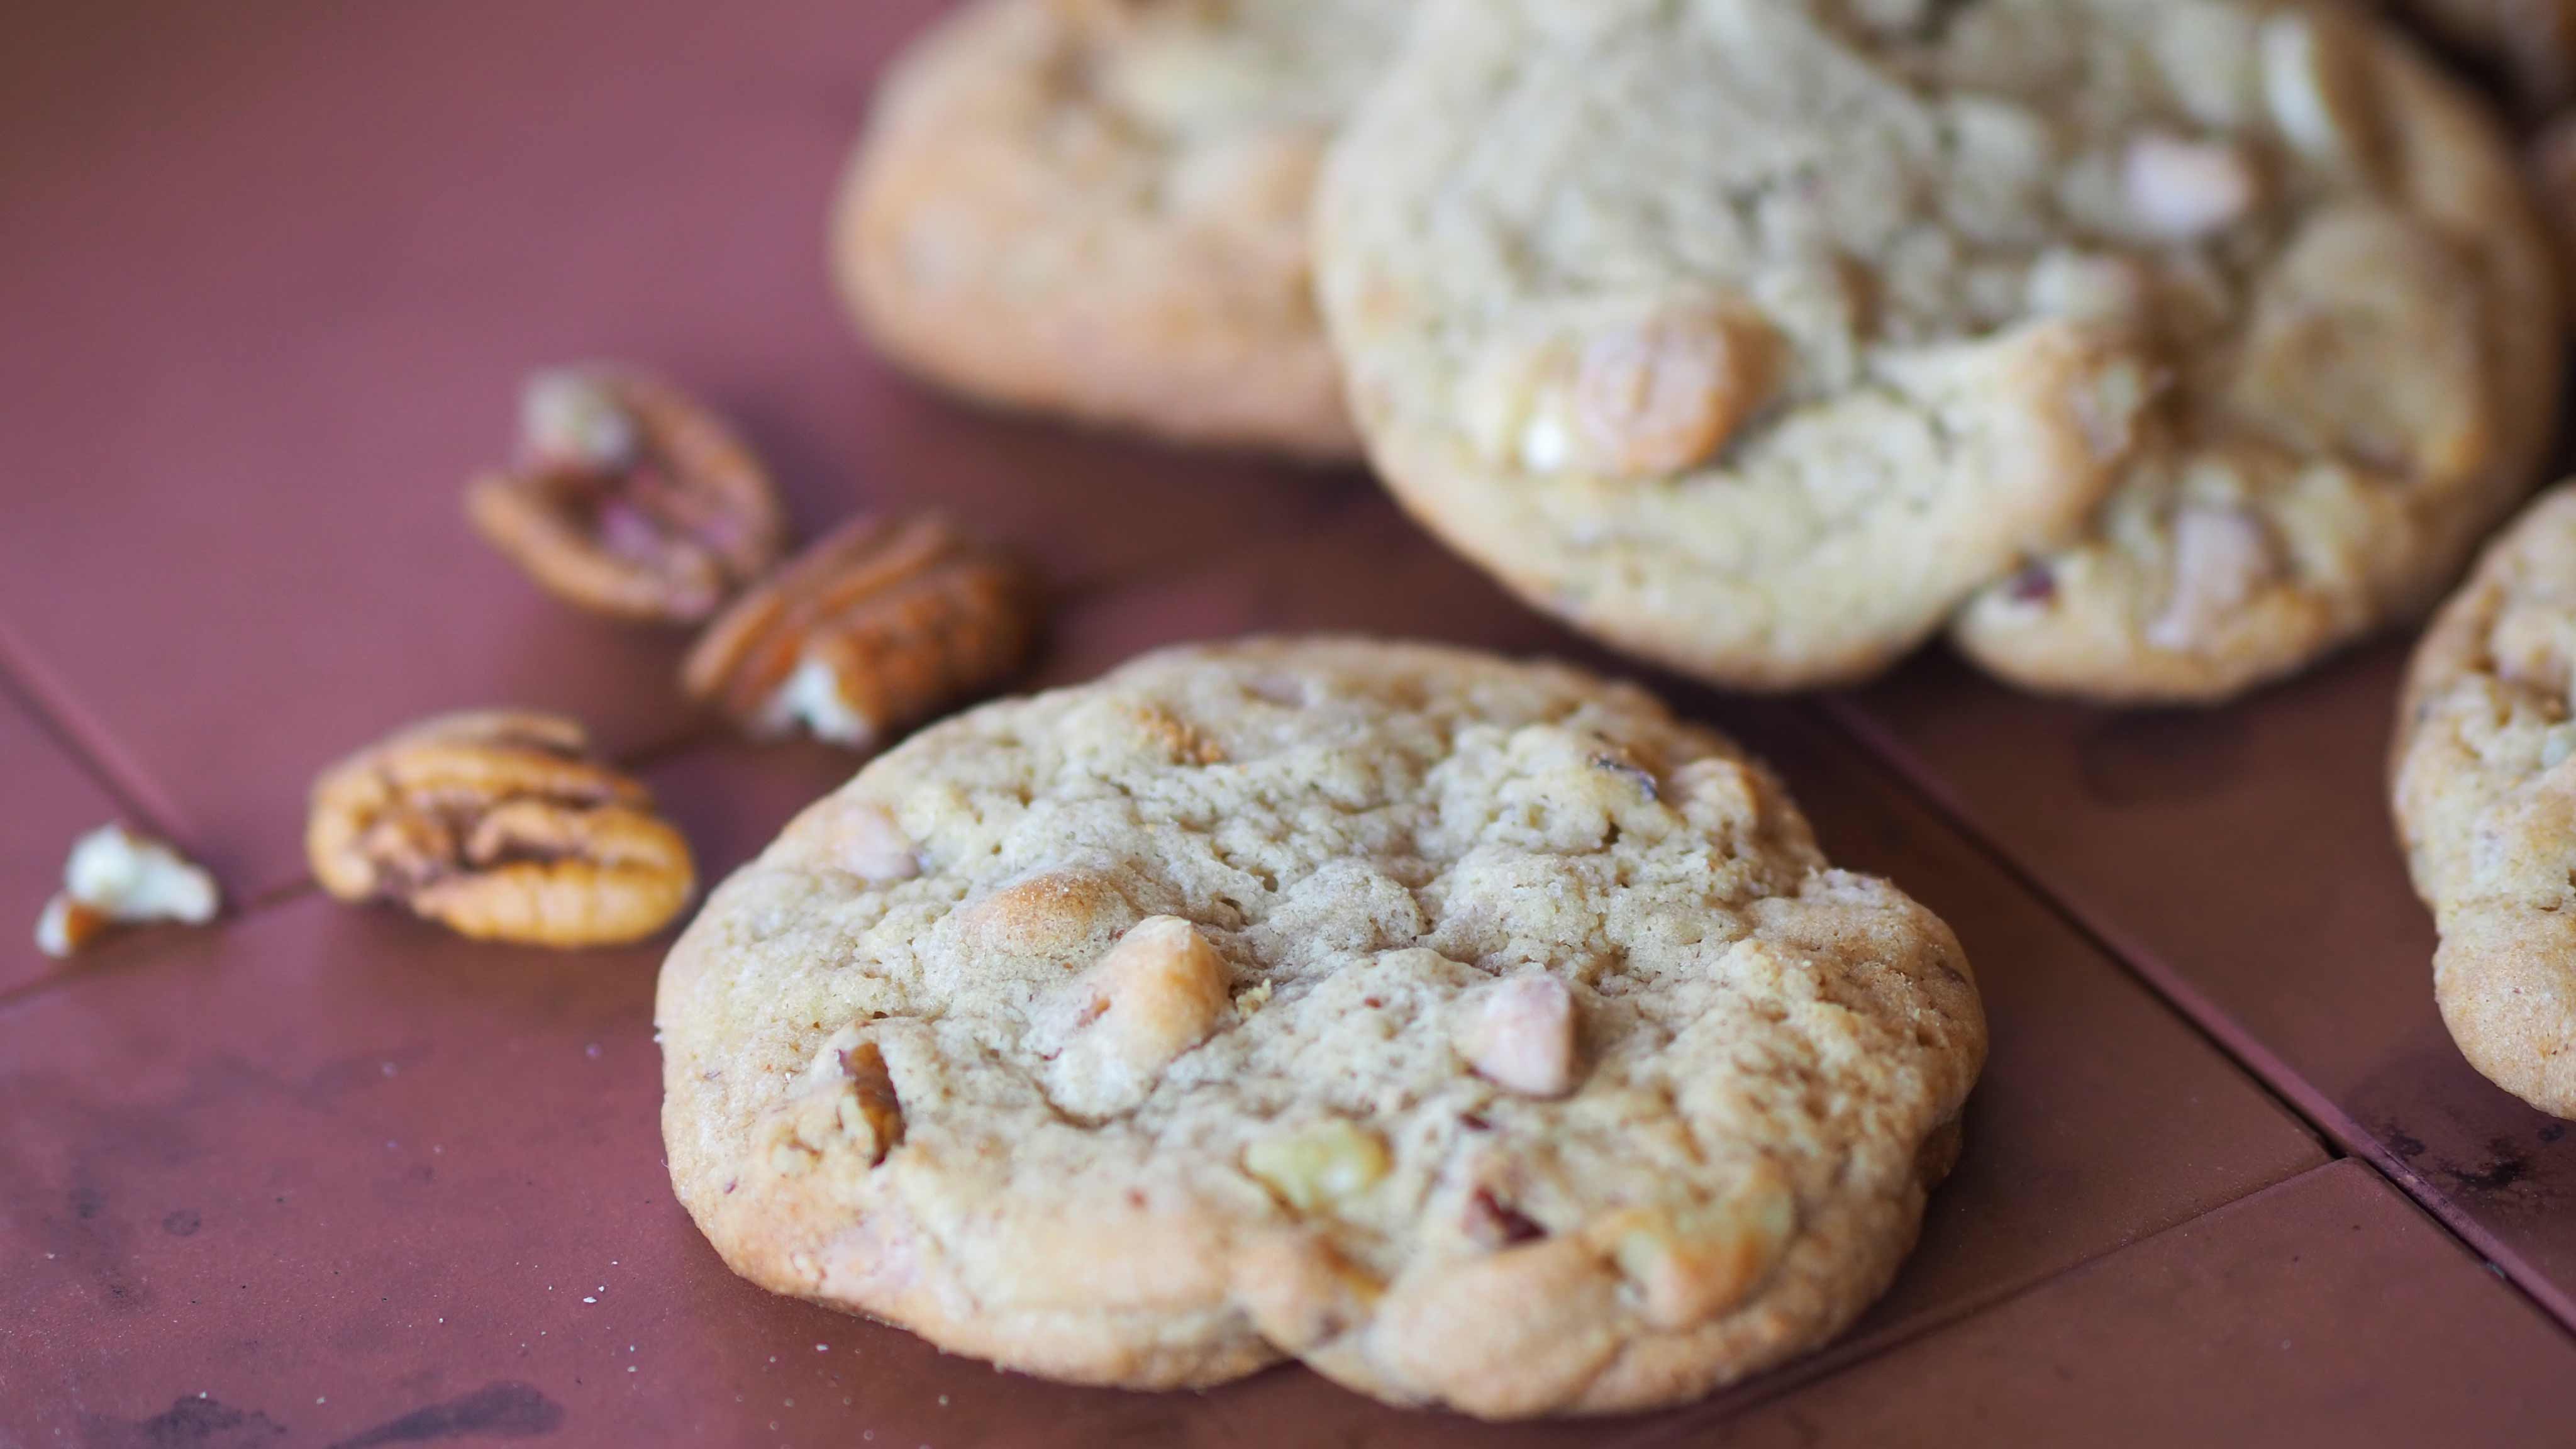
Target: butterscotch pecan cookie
point(629, 498)
point(1474, 1031)
point(503, 826)
point(2485, 786)
point(2155, 347)
point(874, 628)
point(1099, 207)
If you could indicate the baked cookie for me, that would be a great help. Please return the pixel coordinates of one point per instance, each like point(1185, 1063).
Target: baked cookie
point(2533, 42)
point(2166, 344)
point(1099, 207)
point(1473, 1031)
point(2486, 806)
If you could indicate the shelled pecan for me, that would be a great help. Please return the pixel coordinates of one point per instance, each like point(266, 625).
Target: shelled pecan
point(873, 628)
point(629, 498)
point(117, 877)
point(503, 826)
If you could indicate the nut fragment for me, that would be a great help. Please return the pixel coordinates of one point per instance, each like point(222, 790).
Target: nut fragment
point(629, 499)
point(2182, 190)
point(2221, 557)
point(1690, 1264)
point(871, 629)
point(118, 877)
point(845, 1104)
point(502, 826)
point(1519, 1034)
point(1316, 1166)
point(1159, 992)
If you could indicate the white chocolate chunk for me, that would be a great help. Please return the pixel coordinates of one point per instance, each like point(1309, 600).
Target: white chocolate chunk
point(2090, 287)
point(2221, 556)
point(1519, 1034)
point(1314, 1167)
point(1159, 992)
point(2182, 190)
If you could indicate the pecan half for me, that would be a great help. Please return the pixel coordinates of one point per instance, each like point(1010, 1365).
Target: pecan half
point(875, 627)
point(502, 826)
point(629, 499)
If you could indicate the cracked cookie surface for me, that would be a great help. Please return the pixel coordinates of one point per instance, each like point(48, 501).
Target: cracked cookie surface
point(2154, 346)
point(1474, 1031)
point(2486, 806)
point(1099, 207)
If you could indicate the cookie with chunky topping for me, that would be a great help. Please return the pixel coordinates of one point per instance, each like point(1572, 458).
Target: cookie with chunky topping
point(2486, 806)
point(2153, 347)
point(1474, 1031)
point(1099, 208)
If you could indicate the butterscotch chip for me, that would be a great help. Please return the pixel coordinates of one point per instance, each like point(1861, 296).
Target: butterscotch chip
point(502, 826)
point(629, 498)
point(1474, 1032)
point(875, 627)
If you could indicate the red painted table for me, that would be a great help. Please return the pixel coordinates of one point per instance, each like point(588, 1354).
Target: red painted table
point(318, 1176)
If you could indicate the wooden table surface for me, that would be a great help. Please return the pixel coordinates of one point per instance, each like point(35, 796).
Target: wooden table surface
point(317, 1176)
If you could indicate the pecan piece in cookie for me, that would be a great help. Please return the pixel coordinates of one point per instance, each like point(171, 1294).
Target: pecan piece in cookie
point(877, 626)
point(629, 499)
point(502, 826)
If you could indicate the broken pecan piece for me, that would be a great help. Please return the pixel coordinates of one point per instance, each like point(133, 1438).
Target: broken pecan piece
point(503, 826)
point(629, 499)
point(875, 627)
point(117, 876)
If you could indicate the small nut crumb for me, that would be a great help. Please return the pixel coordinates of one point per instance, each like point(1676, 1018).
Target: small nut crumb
point(117, 876)
point(1519, 1034)
point(2182, 190)
point(877, 626)
point(1159, 992)
point(1312, 1168)
point(502, 826)
point(2221, 557)
point(629, 499)
point(1491, 1222)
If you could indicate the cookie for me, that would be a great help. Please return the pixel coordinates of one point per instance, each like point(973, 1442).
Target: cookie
point(2533, 42)
point(1099, 208)
point(2155, 346)
point(2486, 806)
point(1473, 1031)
